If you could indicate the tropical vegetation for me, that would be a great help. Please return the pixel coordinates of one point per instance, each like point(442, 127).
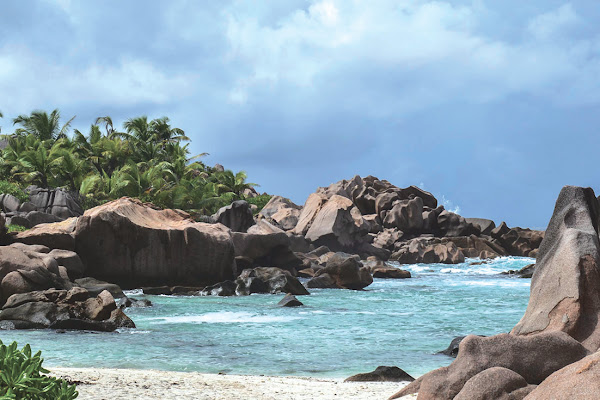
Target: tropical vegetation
point(147, 159)
point(22, 377)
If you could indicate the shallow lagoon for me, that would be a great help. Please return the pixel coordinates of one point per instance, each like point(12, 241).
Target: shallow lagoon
point(337, 334)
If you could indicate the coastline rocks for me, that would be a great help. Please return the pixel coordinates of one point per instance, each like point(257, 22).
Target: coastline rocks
point(132, 245)
point(525, 272)
point(486, 226)
point(578, 381)
point(428, 250)
point(281, 212)
point(289, 300)
point(264, 250)
point(495, 383)
point(345, 271)
point(380, 269)
point(406, 216)
point(382, 374)
point(518, 241)
point(334, 225)
point(237, 216)
point(534, 358)
point(565, 288)
point(62, 309)
point(483, 247)
point(451, 224)
point(452, 349)
point(59, 235)
point(268, 280)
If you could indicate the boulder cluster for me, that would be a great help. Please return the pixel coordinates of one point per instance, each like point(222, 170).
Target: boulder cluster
point(341, 238)
point(553, 352)
point(372, 217)
point(43, 206)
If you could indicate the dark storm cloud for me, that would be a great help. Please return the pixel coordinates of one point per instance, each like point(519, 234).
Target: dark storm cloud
point(489, 104)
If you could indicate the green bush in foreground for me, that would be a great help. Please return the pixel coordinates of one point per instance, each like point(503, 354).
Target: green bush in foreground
point(16, 228)
point(21, 377)
point(260, 201)
point(14, 189)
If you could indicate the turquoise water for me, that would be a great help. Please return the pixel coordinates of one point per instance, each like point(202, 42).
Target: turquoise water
point(338, 333)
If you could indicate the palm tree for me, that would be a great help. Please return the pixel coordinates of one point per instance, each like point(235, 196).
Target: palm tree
point(228, 182)
point(42, 125)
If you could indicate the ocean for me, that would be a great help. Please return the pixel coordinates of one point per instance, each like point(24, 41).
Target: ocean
point(336, 334)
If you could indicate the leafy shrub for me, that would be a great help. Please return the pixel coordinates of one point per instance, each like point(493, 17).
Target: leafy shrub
point(21, 377)
point(16, 228)
point(260, 201)
point(14, 189)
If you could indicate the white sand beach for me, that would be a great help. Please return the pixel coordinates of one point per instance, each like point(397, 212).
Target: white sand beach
point(117, 384)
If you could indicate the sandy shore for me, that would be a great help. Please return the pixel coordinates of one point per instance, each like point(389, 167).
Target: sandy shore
point(114, 384)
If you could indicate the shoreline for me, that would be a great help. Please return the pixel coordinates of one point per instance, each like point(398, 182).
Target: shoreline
point(117, 384)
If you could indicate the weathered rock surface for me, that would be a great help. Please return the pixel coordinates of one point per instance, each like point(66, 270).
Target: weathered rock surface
point(577, 381)
point(525, 272)
point(237, 216)
point(534, 358)
point(485, 225)
point(565, 288)
point(57, 202)
point(380, 269)
point(268, 280)
point(264, 250)
point(406, 216)
point(496, 383)
point(63, 309)
point(346, 271)
point(382, 374)
point(428, 250)
point(281, 212)
point(334, 225)
point(289, 300)
point(452, 349)
point(131, 244)
point(451, 224)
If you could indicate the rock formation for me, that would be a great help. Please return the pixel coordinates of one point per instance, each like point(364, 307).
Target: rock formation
point(559, 327)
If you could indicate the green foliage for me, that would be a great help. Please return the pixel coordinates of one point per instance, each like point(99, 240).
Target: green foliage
point(14, 189)
point(148, 161)
point(15, 228)
point(260, 201)
point(21, 377)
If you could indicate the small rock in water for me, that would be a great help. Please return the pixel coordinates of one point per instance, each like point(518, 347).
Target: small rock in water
point(382, 374)
point(157, 290)
point(452, 350)
point(290, 301)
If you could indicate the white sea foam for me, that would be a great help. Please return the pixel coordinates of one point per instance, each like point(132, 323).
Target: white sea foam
point(224, 318)
point(134, 292)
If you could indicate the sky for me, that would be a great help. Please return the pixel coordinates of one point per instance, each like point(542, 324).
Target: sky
point(490, 105)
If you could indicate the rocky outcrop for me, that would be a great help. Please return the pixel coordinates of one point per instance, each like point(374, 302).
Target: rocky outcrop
point(342, 271)
point(559, 328)
point(533, 358)
point(289, 300)
point(334, 225)
point(578, 381)
point(63, 309)
point(565, 288)
point(382, 374)
point(380, 269)
point(428, 250)
point(237, 216)
point(485, 226)
point(525, 272)
point(57, 202)
point(518, 241)
point(132, 245)
point(495, 383)
point(264, 250)
point(258, 280)
point(281, 212)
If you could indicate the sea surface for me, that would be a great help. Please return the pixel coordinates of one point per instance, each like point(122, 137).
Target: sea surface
point(338, 333)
